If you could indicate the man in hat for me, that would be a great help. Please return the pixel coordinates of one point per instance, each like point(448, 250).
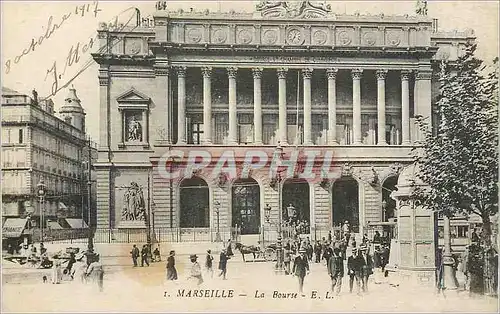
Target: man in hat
point(354, 270)
point(301, 268)
point(135, 254)
point(336, 269)
point(195, 273)
point(223, 263)
point(367, 267)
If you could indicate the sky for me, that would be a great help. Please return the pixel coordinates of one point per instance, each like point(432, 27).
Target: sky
point(24, 20)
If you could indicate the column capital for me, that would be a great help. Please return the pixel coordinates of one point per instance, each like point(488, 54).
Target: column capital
point(424, 75)
point(356, 74)
point(405, 75)
point(162, 71)
point(282, 73)
point(307, 73)
point(206, 72)
point(103, 80)
point(331, 73)
point(381, 74)
point(232, 71)
point(257, 73)
point(181, 71)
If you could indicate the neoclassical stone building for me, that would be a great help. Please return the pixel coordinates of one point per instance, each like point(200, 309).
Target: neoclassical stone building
point(301, 76)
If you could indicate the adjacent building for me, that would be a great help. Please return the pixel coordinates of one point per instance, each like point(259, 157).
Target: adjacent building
point(38, 146)
point(291, 76)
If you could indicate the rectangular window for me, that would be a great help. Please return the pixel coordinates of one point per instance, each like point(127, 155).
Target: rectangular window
point(20, 136)
point(463, 231)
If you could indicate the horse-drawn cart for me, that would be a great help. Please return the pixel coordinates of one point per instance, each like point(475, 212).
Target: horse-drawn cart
point(268, 254)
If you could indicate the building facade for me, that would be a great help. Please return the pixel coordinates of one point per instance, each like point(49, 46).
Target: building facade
point(39, 146)
point(298, 80)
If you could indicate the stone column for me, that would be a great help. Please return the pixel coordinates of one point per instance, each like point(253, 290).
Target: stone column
point(257, 105)
point(405, 110)
point(181, 105)
point(356, 104)
point(423, 98)
point(282, 105)
point(104, 109)
point(207, 105)
point(381, 75)
point(332, 106)
point(307, 74)
point(233, 118)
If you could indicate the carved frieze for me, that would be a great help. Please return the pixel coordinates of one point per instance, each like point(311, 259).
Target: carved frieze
point(319, 37)
point(344, 37)
point(194, 34)
point(133, 46)
point(245, 35)
point(293, 9)
point(219, 35)
point(369, 38)
point(270, 36)
point(393, 38)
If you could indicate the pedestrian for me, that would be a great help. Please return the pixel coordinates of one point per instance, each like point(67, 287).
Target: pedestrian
point(287, 258)
point(223, 264)
point(327, 253)
point(367, 267)
point(80, 272)
point(156, 254)
point(384, 260)
point(354, 271)
point(336, 270)
point(376, 237)
point(301, 269)
point(135, 254)
point(317, 251)
point(69, 268)
point(346, 228)
point(309, 250)
point(329, 236)
point(144, 255)
point(209, 262)
point(229, 249)
point(171, 271)
point(95, 271)
point(195, 273)
point(56, 272)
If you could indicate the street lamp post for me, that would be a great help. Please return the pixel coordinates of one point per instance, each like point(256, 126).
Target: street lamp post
point(279, 245)
point(217, 212)
point(153, 208)
point(90, 240)
point(41, 196)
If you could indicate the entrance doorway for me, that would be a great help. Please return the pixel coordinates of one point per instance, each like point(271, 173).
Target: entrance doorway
point(194, 203)
point(346, 203)
point(246, 206)
point(295, 204)
point(388, 204)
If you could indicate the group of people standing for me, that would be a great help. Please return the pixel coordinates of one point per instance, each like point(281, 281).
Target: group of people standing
point(195, 272)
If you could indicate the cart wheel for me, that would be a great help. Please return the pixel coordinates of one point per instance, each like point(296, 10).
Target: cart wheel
point(270, 254)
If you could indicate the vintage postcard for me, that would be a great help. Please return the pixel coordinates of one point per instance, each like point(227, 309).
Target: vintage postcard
point(245, 156)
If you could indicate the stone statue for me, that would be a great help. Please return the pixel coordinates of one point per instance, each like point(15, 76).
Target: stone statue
point(133, 203)
point(35, 97)
point(134, 130)
point(264, 5)
point(421, 7)
point(161, 5)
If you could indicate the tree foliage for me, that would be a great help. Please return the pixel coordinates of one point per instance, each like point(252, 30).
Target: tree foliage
point(458, 162)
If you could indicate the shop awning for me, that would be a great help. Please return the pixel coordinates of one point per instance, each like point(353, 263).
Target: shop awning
point(13, 227)
point(76, 223)
point(54, 225)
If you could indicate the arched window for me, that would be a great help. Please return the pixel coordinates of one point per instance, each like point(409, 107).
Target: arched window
point(194, 203)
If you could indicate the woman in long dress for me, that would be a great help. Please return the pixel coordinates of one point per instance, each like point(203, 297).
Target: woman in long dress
point(56, 272)
point(171, 271)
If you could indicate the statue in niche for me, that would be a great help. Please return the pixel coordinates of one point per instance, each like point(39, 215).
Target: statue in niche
point(133, 203)
point(134, 130)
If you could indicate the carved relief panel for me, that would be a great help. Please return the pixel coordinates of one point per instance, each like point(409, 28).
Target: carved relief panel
point(319, 36)
point(369, 37)
point(244, 35)
point(194, 34)
point(344, 36)
point(393, 37)
point(133, 46)
point(270, 35)
point(219, 34)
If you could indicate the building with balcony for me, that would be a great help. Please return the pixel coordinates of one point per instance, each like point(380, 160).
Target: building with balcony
point(39, 146)
point(301, 78)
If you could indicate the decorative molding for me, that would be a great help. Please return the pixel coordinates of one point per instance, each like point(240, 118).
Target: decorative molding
point(232, 72)
point(347, 170)
point(331, 73)
point(307, 73)
point(282, 73)
point(206, 72)
point(381, 74)
point(103, 80)
point(424, 75)
point(293, 9)
point(356, 74)
point(257, 73)
point(162, 71)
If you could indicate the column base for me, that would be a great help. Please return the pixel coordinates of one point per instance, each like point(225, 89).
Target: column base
point(232, 142)
point(357, 143)
point(382, 143)
point(308, 143)
point(406, 143)
point(181, 143)
point(258, 143)
point(333, 143)
point(207, 142)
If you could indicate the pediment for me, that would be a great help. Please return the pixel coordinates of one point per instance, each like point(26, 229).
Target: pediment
point(133, 96)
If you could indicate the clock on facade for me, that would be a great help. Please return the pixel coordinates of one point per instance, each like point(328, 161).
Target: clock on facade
point(295, 37)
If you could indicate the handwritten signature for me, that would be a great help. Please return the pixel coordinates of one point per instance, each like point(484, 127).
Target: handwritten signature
point(79, 11)
point(79, 48)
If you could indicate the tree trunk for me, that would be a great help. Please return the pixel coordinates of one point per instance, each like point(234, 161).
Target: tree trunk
point(486, 234)
point(490, 270)
point(449, 276)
